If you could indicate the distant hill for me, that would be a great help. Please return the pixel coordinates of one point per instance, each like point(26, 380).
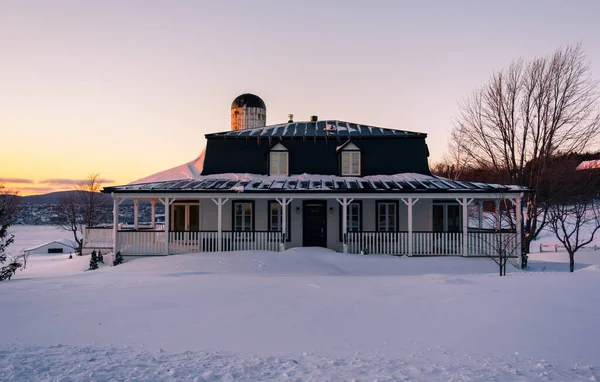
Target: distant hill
point(53, 197)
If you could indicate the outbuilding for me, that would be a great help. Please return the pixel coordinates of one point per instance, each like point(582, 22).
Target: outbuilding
point(52, 247)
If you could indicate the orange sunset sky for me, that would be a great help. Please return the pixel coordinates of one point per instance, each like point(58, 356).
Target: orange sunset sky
point(129, 88)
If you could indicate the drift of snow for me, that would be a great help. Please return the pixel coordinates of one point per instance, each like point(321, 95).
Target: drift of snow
point(303, 314)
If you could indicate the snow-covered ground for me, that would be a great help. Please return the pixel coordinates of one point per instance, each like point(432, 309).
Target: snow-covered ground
point(304, 314)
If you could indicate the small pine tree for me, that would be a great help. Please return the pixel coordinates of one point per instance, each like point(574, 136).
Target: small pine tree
point(118, 259)
point(100, 257)
point(93, 261)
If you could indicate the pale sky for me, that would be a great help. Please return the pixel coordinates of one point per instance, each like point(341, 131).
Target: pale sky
point(129, 88)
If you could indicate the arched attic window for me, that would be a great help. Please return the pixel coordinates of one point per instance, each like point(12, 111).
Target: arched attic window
point(350, 160)
point(278, 160)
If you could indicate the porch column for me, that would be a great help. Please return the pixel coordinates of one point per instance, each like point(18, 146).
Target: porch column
point(199, 214)
point(187, 217)
point(136, 213)
point(115, 224)
point(344, 203)
point(465, 225)
point(153, 212)
point(409, 203)
point(464, 202)
point(283, 203)
point(410, 226)
point(344, 206)
point(480, 214)
point(219, 202)
point(518, 218)
point(497, 220)
point(167, 203)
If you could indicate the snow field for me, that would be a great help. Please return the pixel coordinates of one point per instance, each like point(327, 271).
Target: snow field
point(304, 314)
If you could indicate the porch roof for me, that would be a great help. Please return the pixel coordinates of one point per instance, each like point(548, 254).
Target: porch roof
point(253, 183)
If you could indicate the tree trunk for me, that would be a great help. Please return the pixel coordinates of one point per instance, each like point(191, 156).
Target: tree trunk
point(571, 262)
point(527, 239)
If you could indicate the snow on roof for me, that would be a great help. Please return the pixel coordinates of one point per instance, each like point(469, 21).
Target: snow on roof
point(589, 165)
point(398, 183)
point(66, 243)
point(190, 170)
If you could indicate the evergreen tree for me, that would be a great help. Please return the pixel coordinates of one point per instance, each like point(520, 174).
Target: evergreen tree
point(100, 257)
point(93, 261)
point(118, 259)
point(8, 209)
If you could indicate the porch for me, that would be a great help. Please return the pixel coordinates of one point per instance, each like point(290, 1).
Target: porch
point(432, 225)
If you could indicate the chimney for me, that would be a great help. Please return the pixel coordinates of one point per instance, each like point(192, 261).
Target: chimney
point(290, 118)
point(314, 118)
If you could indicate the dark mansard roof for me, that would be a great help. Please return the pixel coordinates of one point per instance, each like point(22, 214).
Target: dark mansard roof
point(325, 128)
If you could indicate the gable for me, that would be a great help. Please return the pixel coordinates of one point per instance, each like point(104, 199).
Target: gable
point(279, 147)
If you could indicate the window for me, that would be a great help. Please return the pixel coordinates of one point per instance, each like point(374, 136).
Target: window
point(194, 218)
point(387, 216)
point(243, 216)
point(178, 223)
point(353, 218)
point(447, 216)
point(278, 160)
point(275, 218)
point(350, 160)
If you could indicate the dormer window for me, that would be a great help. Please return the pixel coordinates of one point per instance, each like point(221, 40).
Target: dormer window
point(278, 160)
point(350, 159)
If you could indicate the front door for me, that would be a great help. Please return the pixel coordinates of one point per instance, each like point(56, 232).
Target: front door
point(315, 223)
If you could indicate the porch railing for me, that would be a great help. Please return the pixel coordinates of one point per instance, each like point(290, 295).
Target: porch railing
point(434, 243)
point(153, 242)
point(391, 243)
point(141, 242)
point(493, 243)
point(98, 237)
point(437, 243)
point(255, 240)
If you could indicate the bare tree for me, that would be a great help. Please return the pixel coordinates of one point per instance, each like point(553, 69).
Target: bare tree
point(574, 210)
point(495, 238)
point(455, 161)
point(524, 116)
point(85, 207)
point(8, 209)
